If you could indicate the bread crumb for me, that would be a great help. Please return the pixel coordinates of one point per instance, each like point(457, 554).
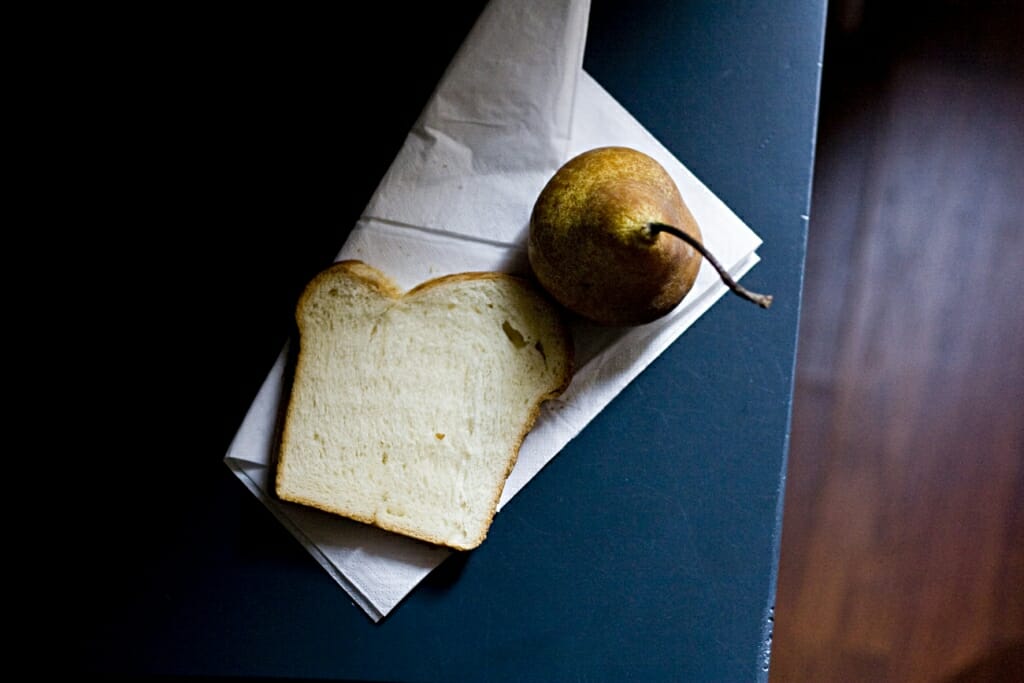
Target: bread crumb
point(514, 335)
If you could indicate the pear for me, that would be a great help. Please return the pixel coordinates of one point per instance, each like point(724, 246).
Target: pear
point(612, 240)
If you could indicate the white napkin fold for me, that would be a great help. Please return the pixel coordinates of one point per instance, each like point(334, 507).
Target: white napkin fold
point(512, 107)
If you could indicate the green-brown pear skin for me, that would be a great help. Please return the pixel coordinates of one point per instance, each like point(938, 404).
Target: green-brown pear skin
point(591, 245)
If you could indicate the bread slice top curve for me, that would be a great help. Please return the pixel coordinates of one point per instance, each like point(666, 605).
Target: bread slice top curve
point(408, 409)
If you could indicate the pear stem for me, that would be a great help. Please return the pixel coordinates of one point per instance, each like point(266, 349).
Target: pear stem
point(762, 300)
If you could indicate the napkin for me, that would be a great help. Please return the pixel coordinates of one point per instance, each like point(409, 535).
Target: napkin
point(514, 104)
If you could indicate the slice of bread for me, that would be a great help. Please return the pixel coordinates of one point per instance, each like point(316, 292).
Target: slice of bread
point(407, 410)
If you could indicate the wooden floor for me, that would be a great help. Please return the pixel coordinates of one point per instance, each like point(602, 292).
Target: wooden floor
point(903, 540)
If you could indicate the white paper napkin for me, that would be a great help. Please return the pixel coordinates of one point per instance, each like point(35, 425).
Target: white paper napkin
point(512, 107)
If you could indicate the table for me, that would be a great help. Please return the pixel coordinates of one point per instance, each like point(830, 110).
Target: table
point(647, 550)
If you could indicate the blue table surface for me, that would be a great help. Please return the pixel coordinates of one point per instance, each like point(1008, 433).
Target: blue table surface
point(647, 550)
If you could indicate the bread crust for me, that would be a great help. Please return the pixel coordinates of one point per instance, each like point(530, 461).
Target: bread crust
point(387, 288)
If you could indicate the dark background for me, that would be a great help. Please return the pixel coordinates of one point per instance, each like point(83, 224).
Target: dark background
point(210, 162)
point(903, 538)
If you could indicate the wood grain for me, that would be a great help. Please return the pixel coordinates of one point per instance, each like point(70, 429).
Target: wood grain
point(903, 537)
